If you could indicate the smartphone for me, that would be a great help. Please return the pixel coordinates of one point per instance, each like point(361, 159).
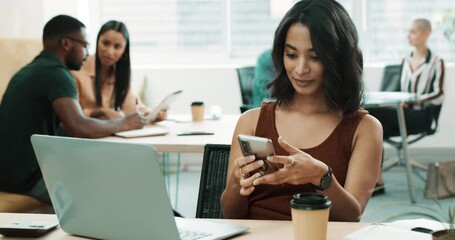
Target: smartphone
point(27, 228)
point(260, 147)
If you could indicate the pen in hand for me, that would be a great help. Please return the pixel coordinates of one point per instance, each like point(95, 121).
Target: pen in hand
point(140, 113)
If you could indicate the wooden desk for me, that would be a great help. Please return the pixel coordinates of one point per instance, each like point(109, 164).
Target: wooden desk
point(396, 100)
point(261, 229)
point(258, 229)
point(222, 128)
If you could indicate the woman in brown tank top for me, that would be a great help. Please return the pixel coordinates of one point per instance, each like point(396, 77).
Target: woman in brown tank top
point(316, 124)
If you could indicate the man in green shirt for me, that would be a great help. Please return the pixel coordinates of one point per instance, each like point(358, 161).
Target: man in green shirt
point(39, 98)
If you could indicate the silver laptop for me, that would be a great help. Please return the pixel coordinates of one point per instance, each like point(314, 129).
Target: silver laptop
point(112, 190)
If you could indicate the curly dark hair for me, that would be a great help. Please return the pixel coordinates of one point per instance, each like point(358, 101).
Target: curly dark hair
point(335, 42)
point(122, 67)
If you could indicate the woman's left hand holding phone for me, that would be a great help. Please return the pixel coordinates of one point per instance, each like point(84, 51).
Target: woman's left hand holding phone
point(298, 168)
point(244, 166)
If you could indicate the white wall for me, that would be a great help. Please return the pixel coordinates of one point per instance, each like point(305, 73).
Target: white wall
point(21, 19)
point(215, 85)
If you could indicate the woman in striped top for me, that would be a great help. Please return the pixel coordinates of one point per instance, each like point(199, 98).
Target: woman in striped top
point(423, 71)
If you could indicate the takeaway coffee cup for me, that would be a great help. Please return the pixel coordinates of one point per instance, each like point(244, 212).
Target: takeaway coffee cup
point(310, 215)
point(197, 111)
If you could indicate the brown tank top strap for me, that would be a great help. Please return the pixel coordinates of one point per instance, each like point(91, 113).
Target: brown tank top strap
point(353, 120)
point(266, 121)
point(347, 128)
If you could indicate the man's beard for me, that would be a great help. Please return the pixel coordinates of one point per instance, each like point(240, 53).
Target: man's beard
point(72, 61)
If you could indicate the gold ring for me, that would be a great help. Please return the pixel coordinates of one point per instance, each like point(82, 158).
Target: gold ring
point(241, 173)
point(291, 162)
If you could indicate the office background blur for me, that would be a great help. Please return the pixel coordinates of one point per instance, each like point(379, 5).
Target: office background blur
point(195, 45)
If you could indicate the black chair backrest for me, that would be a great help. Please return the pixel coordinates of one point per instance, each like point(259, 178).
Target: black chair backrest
point(391, 78)
point(246, 81)
point(430, 122)
point(417, 128)
point(213, 180)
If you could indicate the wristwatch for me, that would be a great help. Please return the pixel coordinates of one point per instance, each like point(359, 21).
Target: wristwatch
point(326, 180)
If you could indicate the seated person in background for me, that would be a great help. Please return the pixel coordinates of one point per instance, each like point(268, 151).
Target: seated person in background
point(316, 124)
point(263, 75)
point(104, 81)
point(38, 98)
point(423, 74)
point(423, 71)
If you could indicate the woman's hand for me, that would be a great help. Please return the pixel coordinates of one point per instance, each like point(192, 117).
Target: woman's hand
point(245, 165)
point(299, 168)
point(162, 115)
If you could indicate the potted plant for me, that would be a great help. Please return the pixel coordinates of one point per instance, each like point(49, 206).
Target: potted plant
point(446, 21)
point(449, 233)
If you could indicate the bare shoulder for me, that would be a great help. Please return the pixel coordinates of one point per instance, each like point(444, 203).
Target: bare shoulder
point(248, 120)
point(77, 74)
point(89, 65)
point(369, 124)
point(87, 69)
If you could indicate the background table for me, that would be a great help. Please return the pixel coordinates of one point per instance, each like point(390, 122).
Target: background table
point(222, 128)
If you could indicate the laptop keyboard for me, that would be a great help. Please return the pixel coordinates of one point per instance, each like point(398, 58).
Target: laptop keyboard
point(186, 234)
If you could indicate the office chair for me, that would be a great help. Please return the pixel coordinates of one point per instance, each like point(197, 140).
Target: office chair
point(417, 127)
point(213, 180)
point(391, 77)
point(246, 82)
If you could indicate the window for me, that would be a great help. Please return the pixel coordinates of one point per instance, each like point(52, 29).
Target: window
point(179, 30)
point(226, 31)
point(387, 23)
point(252, 27)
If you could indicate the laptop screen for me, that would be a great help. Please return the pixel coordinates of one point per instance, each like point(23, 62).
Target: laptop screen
point(108, 190)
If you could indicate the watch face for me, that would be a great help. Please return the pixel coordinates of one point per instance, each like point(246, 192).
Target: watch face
point(326, 181)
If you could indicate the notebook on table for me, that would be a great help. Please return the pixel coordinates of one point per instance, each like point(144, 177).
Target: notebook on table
point(113, 190)
point(144, 132)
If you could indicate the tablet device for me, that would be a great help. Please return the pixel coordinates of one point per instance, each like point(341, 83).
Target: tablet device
point(164, 104)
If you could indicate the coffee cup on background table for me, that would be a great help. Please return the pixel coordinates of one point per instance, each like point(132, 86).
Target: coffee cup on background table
point(197, 111)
